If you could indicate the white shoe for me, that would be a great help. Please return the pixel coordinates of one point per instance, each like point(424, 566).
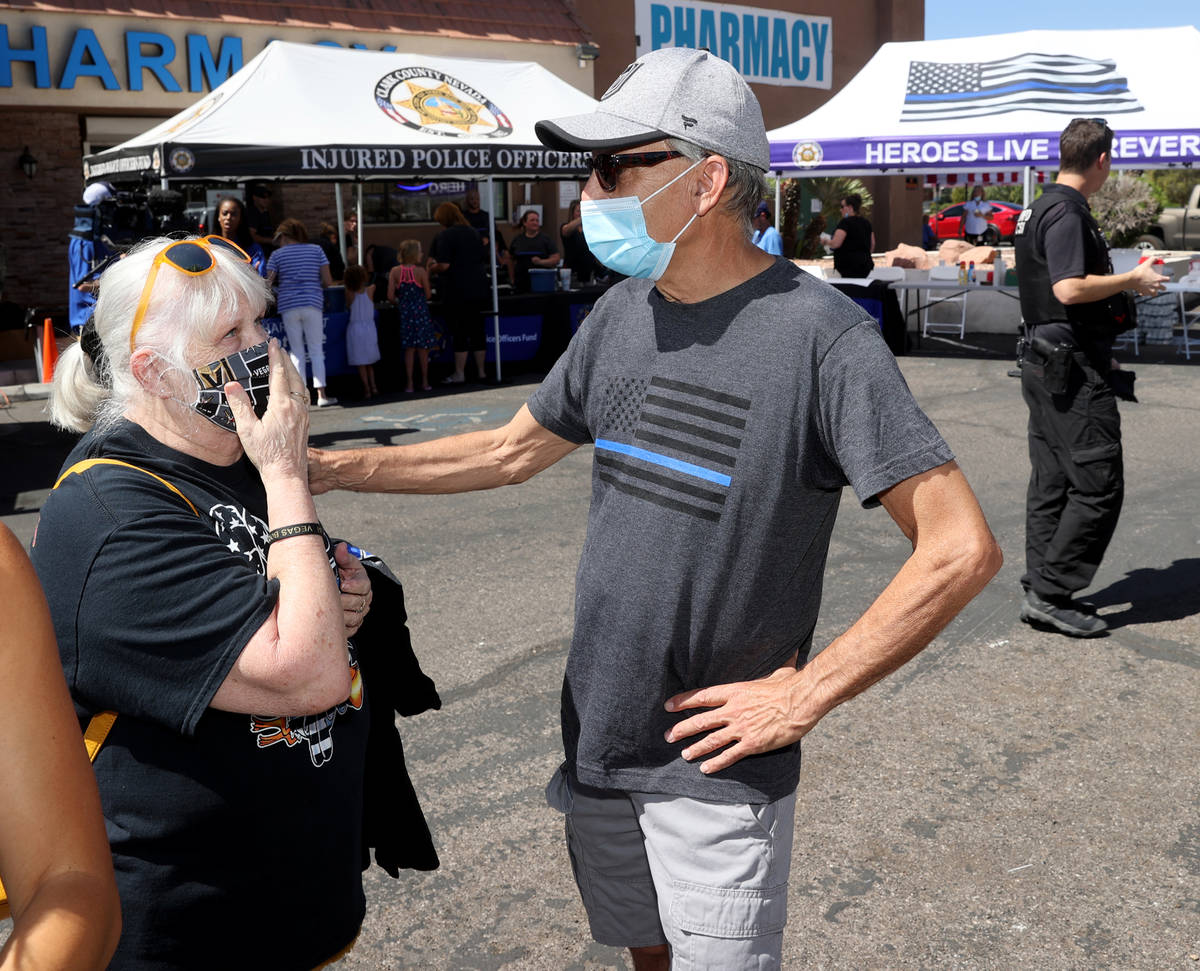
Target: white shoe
point(326, 402)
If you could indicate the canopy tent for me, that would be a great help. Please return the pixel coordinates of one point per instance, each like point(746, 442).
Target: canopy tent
point(301, 111)
point(304, 111)
point(998, 103)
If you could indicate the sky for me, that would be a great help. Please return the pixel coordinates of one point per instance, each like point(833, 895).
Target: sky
point(951, 18)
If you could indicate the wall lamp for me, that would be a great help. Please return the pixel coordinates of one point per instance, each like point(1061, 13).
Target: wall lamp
point(586, 52)
point(28, 163)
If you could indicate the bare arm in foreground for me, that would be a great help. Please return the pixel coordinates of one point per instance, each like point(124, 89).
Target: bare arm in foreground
point(54, 854)
point(459, 463)
point(954, 556)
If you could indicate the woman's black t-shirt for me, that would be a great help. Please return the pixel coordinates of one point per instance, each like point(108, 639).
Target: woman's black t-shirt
point(853, 257)
point(236, 838)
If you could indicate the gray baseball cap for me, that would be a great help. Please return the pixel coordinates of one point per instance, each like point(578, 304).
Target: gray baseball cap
point(675, 92)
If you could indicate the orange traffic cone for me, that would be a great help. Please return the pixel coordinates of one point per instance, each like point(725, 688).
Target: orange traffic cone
point(49, 351)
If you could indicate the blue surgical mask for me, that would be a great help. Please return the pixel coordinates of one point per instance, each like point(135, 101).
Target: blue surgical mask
point(615, 230)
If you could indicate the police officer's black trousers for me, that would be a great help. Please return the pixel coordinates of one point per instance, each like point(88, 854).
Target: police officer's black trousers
point(1077, 480)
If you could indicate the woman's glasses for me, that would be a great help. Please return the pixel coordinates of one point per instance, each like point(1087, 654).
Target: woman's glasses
point(191, 256)
point(606, 166)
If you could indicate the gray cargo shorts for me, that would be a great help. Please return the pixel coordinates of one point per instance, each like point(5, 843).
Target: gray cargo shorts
point(707, 878)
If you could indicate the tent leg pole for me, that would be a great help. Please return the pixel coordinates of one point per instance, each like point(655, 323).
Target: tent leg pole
point(362, 253)
point(341, 221)
point(493, 252)
point(1027, 194)
point(778, 199)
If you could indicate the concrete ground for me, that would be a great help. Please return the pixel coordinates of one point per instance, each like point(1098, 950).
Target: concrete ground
point(1009, 799)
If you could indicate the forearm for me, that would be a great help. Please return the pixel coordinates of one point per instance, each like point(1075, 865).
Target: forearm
point(309, 613)
point(460, 463)
point(1088, 289)
point(73, 920)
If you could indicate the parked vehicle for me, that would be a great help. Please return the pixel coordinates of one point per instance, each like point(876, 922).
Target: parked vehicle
point(1177, 228)
point(948, 223)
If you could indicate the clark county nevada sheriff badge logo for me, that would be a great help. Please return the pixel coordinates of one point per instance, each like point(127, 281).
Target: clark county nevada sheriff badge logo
point(430, 101)
point(807, 154)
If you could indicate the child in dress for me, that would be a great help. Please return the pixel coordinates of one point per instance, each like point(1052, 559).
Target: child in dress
point(408, 286)
point(362, 340)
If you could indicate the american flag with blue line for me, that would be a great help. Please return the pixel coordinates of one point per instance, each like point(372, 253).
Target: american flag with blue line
point(1057, 83)
point(684, 440)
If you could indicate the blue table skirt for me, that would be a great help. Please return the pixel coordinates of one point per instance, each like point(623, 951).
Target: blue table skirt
point(523, 336)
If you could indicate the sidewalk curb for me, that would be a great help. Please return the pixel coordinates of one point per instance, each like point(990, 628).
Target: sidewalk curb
point(25, 392)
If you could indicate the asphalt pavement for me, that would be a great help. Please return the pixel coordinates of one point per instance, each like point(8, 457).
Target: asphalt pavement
point(1009, 799)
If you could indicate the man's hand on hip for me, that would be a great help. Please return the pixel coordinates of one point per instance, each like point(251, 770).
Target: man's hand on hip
point(755, 716)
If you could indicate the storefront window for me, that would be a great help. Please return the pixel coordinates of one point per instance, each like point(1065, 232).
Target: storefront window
point(404, 202)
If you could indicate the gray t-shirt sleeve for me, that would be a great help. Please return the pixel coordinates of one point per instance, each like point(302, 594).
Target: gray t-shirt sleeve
point(869, 421)
point(557, 404)
point(1064, 245)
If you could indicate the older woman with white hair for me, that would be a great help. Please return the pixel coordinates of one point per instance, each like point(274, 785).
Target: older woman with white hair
point(195, 594)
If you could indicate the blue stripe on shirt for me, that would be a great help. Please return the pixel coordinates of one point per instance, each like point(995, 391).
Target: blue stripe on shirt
point(656, 458)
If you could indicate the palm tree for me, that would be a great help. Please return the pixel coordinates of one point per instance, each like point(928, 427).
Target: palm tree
point(830, 192)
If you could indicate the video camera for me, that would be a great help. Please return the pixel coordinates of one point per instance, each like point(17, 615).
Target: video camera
point(133, 214)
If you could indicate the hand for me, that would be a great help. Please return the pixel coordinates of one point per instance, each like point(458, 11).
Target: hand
point(356, 588)
point(1146, 280)
point(275, 444)
point(756, 716)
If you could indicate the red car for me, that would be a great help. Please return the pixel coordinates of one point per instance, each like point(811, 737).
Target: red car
point(948, 223)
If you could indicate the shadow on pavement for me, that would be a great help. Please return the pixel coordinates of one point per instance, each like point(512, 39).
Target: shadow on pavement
point(1154, 595)
point(359, 437)
point(34, 452)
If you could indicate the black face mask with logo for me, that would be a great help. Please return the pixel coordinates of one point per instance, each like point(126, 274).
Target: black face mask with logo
point(250, 368)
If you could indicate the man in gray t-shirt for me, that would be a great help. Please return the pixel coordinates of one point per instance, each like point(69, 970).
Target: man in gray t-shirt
point(729, 398)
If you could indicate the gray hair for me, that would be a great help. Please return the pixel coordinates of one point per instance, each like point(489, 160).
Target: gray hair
point(87, 393)
point(746, 187)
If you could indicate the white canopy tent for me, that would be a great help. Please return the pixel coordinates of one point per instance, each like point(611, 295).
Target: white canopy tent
point(300, 111)
point(997, 104)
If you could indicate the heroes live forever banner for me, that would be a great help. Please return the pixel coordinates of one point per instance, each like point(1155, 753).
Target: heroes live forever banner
point(1131, 148)
point(766, 46)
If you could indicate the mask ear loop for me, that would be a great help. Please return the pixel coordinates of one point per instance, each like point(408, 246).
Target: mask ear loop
point(671, 183)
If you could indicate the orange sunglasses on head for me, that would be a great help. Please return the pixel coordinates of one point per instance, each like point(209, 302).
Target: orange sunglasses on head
point(191, 256)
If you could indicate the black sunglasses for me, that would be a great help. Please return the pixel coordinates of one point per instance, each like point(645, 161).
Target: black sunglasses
point(1098, 121)
point(605, 166)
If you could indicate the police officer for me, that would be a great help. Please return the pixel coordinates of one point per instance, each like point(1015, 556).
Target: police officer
point(1073, 305)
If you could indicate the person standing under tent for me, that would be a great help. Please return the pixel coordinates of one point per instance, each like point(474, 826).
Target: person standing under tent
point(300, 270)
point(975, 213)
point(362, 339)
point(408, 286)
point(853, 241)
point(531, 249)
point(232, 225)
point(456, 258)
point(766, 237)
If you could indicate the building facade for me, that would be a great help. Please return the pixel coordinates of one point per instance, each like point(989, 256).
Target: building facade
point(76, 78)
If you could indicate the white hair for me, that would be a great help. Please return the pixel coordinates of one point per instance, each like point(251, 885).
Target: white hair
point(85, 393)
point(746, 187)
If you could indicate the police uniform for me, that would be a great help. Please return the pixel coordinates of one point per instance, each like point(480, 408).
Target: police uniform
point(1077, 480)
